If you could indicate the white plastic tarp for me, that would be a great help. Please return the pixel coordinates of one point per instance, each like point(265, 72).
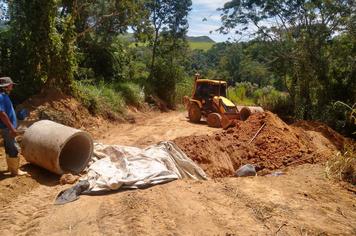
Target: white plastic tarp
point(115, 166)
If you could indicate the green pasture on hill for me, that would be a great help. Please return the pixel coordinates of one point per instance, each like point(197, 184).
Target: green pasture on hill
point(201, 45)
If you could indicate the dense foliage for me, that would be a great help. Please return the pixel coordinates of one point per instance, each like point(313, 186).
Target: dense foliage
point(310, 45)
point(49, 44)
point(300, 60)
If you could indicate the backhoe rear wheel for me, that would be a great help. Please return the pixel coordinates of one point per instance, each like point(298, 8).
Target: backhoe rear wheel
point(194, 113)
point(214, 120)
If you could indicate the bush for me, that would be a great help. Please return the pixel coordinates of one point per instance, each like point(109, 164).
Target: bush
point(108, 60)
point(165, 78)
point(343, 165)
point(184, 88)
point(100, 98)
point(131, 92)
point(347, 124)
point(241, 94)
point(273, 100)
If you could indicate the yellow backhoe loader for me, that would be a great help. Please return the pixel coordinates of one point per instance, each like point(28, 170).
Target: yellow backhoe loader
point(209, 100)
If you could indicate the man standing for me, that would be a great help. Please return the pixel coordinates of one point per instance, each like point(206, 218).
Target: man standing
point(8, 125)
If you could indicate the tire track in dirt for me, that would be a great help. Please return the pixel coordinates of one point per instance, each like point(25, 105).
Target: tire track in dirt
point(23, 215)
point(302, 199)
point(153, 128)
point(301, 202)
point(174, 209)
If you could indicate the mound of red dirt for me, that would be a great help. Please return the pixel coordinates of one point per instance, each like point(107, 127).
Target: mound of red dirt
point(56, 106)
point(337, 139)
point(276, 146)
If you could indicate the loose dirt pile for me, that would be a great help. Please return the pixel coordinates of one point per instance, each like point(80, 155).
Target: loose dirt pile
point(56, 106)
point(337, 139)
point(275, 147)
point(245, 206)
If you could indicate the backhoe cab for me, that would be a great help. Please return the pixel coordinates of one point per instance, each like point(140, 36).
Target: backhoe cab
point(209, 101)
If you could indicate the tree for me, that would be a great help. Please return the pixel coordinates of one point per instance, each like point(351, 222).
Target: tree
point(303, 29)
point(45, 37)
point(169, 16)
point(98, 26)
point(108, 18)
point(169, 26)
point(42, 47)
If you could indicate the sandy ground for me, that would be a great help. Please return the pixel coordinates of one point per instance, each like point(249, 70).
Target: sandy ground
point(300, 202)
point(151, 128)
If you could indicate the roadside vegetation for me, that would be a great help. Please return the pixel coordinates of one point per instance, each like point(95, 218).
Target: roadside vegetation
point(343, 165)
point(297, 67)
point(101, 98)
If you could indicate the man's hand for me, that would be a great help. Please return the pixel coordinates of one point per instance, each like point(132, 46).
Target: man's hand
point(5, 119)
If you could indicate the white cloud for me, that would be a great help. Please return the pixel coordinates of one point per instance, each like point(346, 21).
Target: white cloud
point(202, 29)
point(205, 9)
point(212, 4)
point(215, 17)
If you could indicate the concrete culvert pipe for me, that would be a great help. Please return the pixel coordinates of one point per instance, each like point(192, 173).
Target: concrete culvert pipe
point(57, 148)
point(245, 112)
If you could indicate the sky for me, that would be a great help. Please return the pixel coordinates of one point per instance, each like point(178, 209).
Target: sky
point(207, 9)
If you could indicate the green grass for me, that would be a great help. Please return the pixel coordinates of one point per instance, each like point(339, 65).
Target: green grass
point(132, 93)
point(193, 45)
point(100, 98)
point(238, 96)
point(201, 45)
point(109, 99)
point(184, 88)
point(242, 102)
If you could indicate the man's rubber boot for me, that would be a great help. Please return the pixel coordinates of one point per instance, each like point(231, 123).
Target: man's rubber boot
point(13, 164)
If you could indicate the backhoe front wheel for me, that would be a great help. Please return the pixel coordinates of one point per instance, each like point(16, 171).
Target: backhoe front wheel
point(194, 113)
point(214, 120)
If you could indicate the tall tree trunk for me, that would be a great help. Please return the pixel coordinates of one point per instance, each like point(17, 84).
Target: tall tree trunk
point(154, 49)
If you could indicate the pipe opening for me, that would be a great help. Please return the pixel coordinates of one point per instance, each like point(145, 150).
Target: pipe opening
point(245, 112)
point(75, 154)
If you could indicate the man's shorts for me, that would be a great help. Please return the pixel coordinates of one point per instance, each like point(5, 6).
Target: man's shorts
point(12, 148)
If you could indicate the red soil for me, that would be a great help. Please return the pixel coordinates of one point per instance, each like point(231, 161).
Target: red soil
point(278, 145)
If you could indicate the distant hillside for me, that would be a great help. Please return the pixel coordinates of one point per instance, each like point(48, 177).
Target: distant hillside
point(200, 42)
point(206, 39)
point(195, 42)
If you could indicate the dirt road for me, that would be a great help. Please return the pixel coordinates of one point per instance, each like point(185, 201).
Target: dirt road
point(300, 202)
point(152, 128)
